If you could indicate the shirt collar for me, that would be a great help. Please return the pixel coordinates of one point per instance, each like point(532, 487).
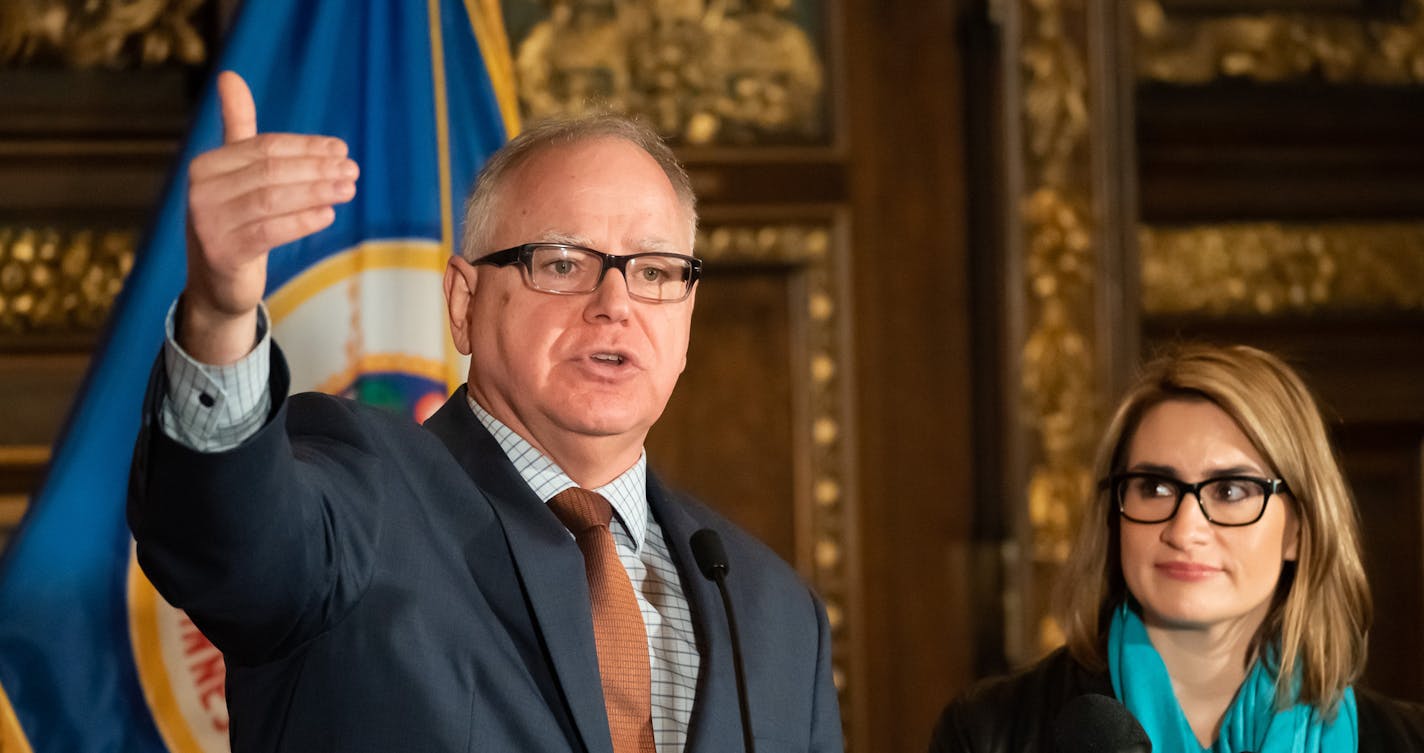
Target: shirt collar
point(627, 494)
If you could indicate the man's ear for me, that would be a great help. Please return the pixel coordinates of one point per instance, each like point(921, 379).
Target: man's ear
point(461, 279)
point(691, 304)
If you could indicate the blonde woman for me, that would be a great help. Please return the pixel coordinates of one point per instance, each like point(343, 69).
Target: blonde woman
point(1216, 588)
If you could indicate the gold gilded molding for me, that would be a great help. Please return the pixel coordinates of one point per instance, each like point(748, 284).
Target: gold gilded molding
point(799, 244)
point(12, 510)
point(1270, 47)
point(128, 34)
point(23, 459)
point(1067, 96)
point(1057, 358)
point(706, 72)
point(60, 281)
point(1272, 268)
point(823, 365)
point(23, 455)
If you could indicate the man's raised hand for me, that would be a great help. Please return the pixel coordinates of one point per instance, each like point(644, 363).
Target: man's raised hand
point(246, 197)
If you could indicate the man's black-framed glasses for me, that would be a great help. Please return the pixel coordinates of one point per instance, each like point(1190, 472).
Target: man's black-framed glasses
point(564, 269)
point(1224, 500)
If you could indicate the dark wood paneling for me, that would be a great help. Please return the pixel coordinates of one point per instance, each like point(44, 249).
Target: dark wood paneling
point(910, 271)
point(995, 395)
point(82, 148)
point(1360, 8)
point(727, 431)
point(48, 183)
point(35, 394)
point(21, 470)
point(101, 104)
point(1232, 151)
point(1362, 369)
point(1382, 462)
point(759, 180)
point(34, 400)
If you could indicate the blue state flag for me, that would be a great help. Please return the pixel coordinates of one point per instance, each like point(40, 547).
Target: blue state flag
point(91, 658)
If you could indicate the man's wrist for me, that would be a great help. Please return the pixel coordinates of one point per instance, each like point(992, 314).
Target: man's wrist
point(213, 338)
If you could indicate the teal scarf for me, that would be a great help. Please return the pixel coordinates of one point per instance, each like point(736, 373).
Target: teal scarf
point(1251, 723)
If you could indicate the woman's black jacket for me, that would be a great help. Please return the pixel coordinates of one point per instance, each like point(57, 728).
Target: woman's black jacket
point(1016, 713)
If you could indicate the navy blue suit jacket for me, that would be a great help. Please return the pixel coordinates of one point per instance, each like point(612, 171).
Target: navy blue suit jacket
point(379, 586)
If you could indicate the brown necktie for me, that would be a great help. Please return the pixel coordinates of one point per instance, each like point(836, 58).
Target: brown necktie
point(618, 631)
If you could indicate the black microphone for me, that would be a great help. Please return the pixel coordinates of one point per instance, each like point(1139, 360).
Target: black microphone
point(1098, 724)
point(712, 561)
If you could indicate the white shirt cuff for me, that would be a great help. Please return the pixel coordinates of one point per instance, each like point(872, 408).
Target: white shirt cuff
point(215, 408)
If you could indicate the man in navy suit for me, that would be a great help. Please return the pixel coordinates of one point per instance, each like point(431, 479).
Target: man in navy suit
point(381, 586)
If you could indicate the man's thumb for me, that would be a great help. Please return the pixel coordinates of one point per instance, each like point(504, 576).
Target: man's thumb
point(239, 113)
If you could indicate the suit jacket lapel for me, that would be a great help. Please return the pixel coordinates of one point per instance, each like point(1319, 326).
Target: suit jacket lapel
point(547, 559)
point(714, 725)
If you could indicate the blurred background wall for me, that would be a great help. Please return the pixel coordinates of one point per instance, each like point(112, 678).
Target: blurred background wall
point(939, 236)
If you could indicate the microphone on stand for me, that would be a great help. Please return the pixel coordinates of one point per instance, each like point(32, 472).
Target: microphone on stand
point(712, 561)
point(1096, 723)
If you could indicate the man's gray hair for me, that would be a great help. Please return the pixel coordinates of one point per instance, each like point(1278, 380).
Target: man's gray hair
point(482, 205)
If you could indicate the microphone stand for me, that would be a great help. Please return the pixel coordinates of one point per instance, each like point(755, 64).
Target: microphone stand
point(712, 560)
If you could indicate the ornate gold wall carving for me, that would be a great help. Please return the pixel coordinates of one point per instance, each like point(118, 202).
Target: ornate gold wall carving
point(810, 248)
point(1057, 358)
point(80, 34)
point(1271, 268)
point(726, 72)
point(1059, 384)
point(1280, 46)
point(60, 281)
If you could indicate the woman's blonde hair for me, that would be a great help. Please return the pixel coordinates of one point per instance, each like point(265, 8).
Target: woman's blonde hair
point(1316, 627)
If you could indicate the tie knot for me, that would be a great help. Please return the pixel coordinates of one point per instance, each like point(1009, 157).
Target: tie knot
point(581, 509)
